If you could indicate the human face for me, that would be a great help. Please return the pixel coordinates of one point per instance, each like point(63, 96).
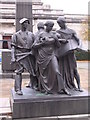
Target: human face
point(25, 24)
point(62, 24)
point(49, 28)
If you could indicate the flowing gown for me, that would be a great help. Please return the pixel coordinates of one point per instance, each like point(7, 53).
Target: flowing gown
point(67, 62)
point(49, 75)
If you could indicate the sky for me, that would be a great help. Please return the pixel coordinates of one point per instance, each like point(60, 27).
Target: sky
point(69, 6)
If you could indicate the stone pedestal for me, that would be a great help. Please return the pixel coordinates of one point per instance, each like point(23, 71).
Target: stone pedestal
point(34, 104)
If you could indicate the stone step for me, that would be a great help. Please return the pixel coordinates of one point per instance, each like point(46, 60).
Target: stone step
point(5, 109)
point(12, 75)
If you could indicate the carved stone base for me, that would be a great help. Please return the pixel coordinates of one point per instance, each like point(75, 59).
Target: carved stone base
point(34, 104)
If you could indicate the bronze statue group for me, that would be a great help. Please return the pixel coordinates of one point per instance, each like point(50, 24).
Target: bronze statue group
point(48, 56)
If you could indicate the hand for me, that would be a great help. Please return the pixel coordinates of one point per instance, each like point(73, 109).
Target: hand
point(13, 60)
point(44, 40)
point(65, 41)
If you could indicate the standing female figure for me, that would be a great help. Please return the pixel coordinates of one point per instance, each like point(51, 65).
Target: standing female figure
point(49, 76)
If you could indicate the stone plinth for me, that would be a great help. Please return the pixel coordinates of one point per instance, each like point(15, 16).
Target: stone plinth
point(34, 104)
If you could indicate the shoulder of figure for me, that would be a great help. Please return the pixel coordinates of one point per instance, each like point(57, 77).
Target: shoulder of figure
point(14, 36)
point(17, 33)
point(55, 33)
point(71, 30)
point(58, 31)
point(41, 33)
point(30, 33)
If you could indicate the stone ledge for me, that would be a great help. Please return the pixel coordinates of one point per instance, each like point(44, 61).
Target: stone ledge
point(49, 118)
point(12, 75)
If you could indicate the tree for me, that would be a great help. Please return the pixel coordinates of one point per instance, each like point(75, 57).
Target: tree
point(85, 31)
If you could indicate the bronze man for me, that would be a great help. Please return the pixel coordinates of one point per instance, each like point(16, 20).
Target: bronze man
point(22, 55)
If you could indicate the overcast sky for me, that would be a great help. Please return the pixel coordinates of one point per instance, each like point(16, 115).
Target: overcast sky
point(69, 6)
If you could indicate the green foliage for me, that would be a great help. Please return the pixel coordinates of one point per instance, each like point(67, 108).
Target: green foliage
point(82, 55)
point(89, 34)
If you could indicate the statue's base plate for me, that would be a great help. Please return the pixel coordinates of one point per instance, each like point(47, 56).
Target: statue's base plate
point(33, 104)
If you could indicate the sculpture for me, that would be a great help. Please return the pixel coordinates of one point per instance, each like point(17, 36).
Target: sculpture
point(67, 60)
point(49, 76)
point(48, 56)
point(22, 55)
point(40, 27)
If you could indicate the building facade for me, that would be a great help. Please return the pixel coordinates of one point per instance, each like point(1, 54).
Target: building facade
point(40, 12)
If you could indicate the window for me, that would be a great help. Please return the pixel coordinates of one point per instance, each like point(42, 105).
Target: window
point(6, 42)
